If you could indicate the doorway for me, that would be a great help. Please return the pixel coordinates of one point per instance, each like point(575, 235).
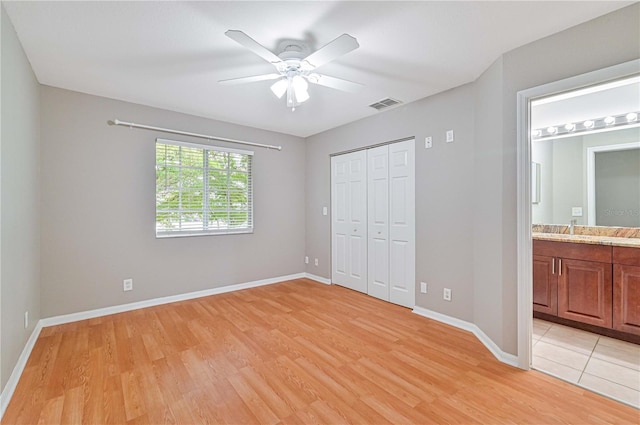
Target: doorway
point(530, 333)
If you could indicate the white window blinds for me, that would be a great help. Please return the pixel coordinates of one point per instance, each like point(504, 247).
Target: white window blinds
point(202, 190)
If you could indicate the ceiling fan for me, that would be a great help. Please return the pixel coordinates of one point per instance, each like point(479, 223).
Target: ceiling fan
point(296, 66)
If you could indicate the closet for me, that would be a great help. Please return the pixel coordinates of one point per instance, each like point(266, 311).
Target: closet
point(373, 221)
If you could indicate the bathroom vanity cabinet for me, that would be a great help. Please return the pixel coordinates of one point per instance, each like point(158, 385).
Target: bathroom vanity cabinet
point(573, 281)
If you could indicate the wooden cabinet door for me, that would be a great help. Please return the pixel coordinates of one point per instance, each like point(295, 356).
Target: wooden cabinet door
point(626, 298)
point(545, 285)
point(585, 292)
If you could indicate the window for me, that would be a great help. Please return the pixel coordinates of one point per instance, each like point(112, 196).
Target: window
point(202, 190)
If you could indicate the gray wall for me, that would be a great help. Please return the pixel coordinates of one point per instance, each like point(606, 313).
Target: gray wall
point(472, 247)
point(486, 209)
point(98, 208)
point(20, 200)
point(444, 191)
point(542, 153)
point(568, 183)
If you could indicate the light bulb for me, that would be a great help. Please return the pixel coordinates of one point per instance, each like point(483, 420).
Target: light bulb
point(552, 130)
point(631, 116)
point(588, 123)
point(279, 87)
point(300, 86)
point(609, 120)
point(536, 133)
point(570, 127)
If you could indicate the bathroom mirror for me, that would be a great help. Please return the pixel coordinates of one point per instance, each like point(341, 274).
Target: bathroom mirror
point(592, 178)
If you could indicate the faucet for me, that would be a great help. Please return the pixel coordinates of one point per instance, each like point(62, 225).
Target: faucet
point(572, 225)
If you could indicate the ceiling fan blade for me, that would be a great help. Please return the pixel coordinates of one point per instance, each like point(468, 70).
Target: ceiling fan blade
point(253, 79)
point(336, 48)
point(335, 83)
point(254, 46)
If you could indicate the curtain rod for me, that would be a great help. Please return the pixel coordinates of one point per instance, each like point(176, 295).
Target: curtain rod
point(186, 133)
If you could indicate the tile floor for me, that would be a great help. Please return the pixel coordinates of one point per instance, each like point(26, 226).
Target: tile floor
point(596, 362)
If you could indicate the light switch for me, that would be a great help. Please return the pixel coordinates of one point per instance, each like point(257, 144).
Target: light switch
point(324, 210)
point(449, 136)
point(576, 211)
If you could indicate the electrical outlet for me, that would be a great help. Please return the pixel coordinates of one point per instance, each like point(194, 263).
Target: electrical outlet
point(446, 295)
point(428, 142)
point(316, 261)
point(306, 259)
point(423, 287)
point(127, 285)
point(26, 319)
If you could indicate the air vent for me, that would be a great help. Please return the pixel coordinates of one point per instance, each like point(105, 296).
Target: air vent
point(385, 103)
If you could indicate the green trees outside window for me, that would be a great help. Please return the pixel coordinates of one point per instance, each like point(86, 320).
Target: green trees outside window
point(202, 190)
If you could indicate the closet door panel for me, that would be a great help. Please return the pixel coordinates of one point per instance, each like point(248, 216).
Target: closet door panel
point(349, 220)
point(378, 220)
point(402, 223)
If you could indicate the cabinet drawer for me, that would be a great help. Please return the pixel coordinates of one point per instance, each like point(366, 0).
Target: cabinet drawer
point(626, 255)
point(577, 251)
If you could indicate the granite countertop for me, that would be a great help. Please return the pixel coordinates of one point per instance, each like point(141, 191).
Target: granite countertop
point(588, 239)
point(595, 235)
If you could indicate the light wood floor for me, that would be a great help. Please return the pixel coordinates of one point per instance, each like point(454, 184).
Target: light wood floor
point(290, 353)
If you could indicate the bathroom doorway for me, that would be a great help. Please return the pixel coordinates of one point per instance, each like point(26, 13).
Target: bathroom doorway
point(561, 125)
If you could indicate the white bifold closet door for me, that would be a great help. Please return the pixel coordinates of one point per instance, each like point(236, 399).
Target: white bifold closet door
point(388, 196)
point(349, 220)
point(378, 222)
point(402, 207)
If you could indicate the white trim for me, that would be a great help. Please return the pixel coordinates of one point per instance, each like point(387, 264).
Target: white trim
point(12, 383)
point(318, 278)
point(525, 286)
point(90, 314)
point(523, 234)
point(591, 174)
point(507, 358)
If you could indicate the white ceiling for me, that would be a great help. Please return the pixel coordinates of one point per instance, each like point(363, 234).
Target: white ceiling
point(171, 54)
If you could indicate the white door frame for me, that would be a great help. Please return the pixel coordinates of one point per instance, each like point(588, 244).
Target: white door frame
point(525, 254)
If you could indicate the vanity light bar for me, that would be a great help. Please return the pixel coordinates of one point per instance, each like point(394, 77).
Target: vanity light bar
point(631, 119)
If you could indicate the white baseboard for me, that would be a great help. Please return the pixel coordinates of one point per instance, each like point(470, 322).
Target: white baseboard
point(318, 278)
point(507, 358)
point(83, 315)
point(12, 383)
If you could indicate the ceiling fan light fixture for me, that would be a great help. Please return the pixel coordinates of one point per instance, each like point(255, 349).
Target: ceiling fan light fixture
point(300, 87)
point(295, 65)
point(279, 88)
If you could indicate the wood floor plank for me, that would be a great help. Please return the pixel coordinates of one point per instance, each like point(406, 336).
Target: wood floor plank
point(297, 352)
point(52, 411)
